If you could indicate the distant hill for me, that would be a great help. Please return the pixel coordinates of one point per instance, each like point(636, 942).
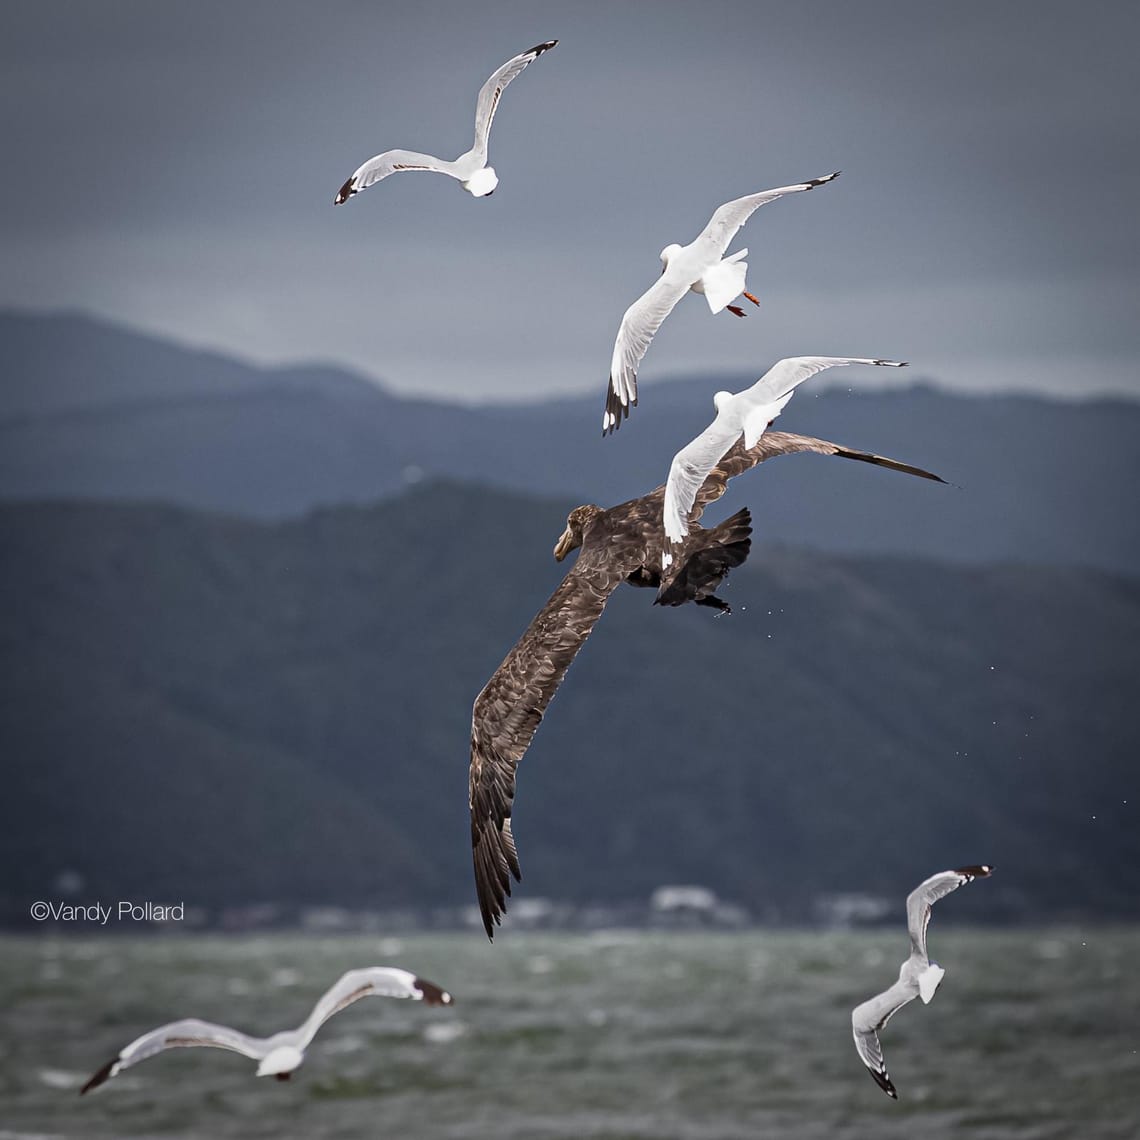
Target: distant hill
point(225, 711)
point(91, 410)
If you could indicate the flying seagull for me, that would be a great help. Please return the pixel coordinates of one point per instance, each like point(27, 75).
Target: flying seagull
point(621, 544)
point(918, 977)
point(280, 1054)
point(747, 414)
point(697, 266)
point(470, 169)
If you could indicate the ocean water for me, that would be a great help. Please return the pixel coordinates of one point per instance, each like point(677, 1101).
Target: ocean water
point(616, 1035)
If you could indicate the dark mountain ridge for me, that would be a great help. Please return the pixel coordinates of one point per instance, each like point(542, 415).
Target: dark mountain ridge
point(224, 711)
point(90, 410)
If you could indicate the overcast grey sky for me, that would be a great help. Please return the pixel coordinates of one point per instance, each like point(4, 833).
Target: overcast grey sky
point(172, 165)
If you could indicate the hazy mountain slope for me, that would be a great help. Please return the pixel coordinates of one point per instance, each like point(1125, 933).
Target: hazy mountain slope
point(93, 411)
point(169, 673)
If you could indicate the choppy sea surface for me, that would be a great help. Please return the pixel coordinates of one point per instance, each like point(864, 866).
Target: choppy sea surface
point(615, 1035)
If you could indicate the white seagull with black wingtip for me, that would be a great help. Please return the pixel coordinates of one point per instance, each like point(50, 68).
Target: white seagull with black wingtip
point(918, 977)
point(699, 267)
point(470, 169)
point(283, 1052)
point(749, 414)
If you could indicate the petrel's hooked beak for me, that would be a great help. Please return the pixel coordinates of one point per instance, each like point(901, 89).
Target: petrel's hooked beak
point(564, 545)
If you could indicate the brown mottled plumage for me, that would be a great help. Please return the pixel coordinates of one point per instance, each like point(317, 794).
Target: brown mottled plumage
point(621, 544)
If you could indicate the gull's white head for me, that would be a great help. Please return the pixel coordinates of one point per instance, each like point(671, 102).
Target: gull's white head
point(721, 401)
point(669, 252)
point(482, 183)
point(280, 1062)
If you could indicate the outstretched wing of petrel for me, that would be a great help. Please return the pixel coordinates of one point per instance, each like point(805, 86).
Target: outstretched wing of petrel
point(509, 710)
point(772, 443)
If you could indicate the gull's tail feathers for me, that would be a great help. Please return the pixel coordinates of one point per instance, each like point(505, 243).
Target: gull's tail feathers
point(929, 981)
point(758, 420)
point(725, 281)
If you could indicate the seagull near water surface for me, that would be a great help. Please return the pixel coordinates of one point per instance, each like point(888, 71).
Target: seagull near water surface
point(280, 1054)
point(918, 976)
point(470, 169)
point(699, 267)
point(619, 544)
point(748, 414)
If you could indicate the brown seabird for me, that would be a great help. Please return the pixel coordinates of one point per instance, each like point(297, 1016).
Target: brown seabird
point(618, 544)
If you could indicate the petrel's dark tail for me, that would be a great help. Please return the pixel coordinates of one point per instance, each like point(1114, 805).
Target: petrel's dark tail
point(710, 556)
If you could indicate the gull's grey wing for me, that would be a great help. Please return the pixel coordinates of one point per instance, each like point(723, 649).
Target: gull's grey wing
point(492, 91)
point(510, 708)
point(927, 893)
point(689, 470)
point(391, 162)
point(639, 324)
point(766, 398)
point(870, 1017)
point(740, 459)
point(751, 412)
point(179, 1034)
point(727, 219)
point(373, 981)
